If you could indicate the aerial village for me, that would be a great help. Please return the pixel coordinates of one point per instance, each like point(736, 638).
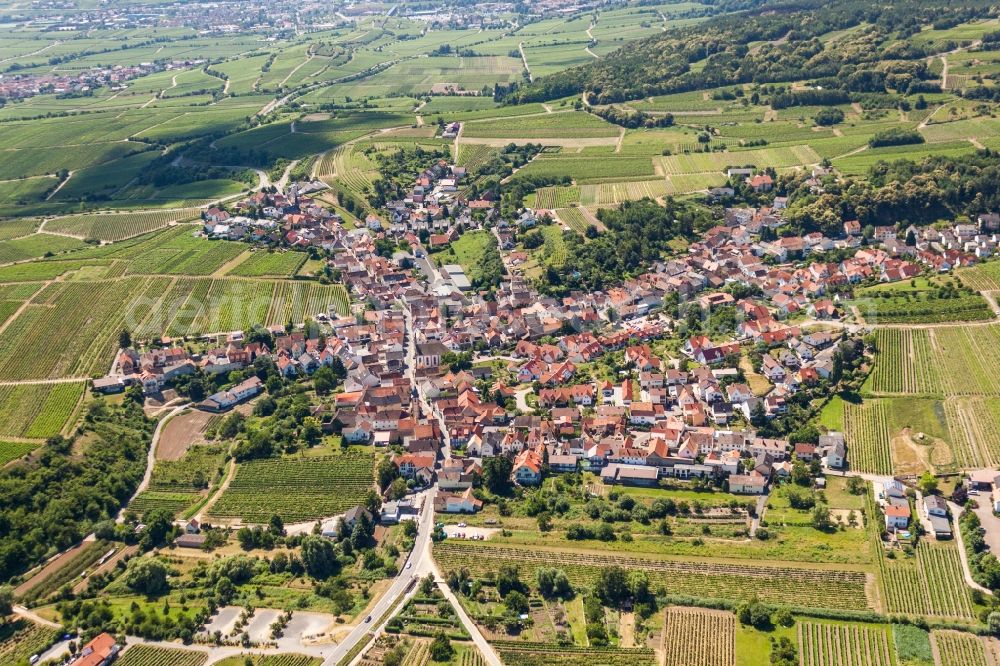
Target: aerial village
point(444, 376)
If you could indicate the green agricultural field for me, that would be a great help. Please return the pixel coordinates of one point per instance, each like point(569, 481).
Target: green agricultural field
point(568, 125)
point(295, 489)
point(14, 450)
point(37, 410)
point(270, 264)
point(822, 643)
point(114, 227)
point(718, 162)
point(36, 245)
point(148, 655)
point(774, 583)
point(177, 485)
point(20, 640)
point(960, 649)
point(468, 251)
point(584, 170)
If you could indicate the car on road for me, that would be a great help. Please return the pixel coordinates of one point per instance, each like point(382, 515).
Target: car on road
point(409, 564)
point(462, 525)
point(368, 619)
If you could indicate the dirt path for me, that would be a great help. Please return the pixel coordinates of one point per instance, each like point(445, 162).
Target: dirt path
point(283, 181)
point(21, 611)
point(207, 506)
point(524, 61)
point(33, 53)
point(59, 186)
point(297, 68)
point(110, 564)
point(150, 461)
point(230, 265)
point(626, 628)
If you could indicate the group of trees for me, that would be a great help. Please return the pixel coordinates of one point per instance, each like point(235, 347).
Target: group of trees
point(637, 234)
point(49, 503)
point(787, 48)
point(904, 192)
point(631, 118)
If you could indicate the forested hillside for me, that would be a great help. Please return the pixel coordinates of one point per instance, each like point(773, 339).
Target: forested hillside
point(772, 42)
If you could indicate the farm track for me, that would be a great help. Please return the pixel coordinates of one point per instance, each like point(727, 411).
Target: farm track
point(150, 460)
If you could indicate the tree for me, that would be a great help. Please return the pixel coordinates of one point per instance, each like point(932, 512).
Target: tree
point(311, 432)
point(146, 575)
point(124, 339)
point(496, 474)
point(516, 602)
point(318, 557)
point(927, 484)
point(276, 526)
point(821, 518)
point(324, 380)
point(441, 649)
point(6, 601)
point(612, 587)
point(754, 614)
point(856, 485)
point(784, 618)
point(385, 472)
point(784, 652)
point(508, 580)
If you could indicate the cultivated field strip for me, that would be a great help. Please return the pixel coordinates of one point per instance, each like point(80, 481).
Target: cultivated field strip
point(981, 277)
point(794, 585)
point(941, 570)
point(37, 411)
point(968, 447)
point(296, 490)
point(906, 363)
point(823, 644)
point(932, 585)
point(118, 226)
point(207, 305)
point(524, 653)
point(959, 649)
point(967, 359)
point(867, 430)
point(148, 655)
point(698, 637)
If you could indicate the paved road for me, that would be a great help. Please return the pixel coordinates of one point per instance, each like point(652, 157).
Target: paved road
point(956, 511)
point(418, 561)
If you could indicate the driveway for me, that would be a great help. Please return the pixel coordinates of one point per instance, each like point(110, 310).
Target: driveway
point(991, 524)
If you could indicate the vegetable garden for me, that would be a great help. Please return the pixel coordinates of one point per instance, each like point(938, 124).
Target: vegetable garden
point(798, 586)
point(296, 489)
point(697, 637)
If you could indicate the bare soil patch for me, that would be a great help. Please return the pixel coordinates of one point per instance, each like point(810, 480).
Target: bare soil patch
point(54, 565)
point(909, 457)
point(181, 432)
